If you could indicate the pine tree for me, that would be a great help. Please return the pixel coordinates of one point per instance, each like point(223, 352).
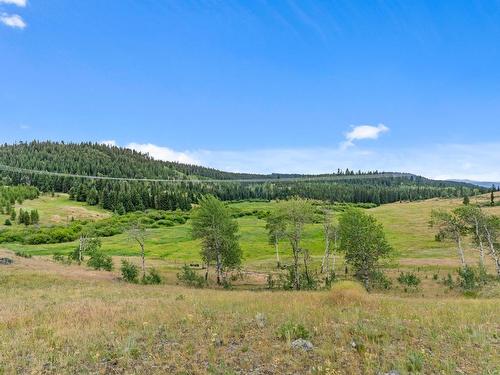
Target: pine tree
point(34, 217)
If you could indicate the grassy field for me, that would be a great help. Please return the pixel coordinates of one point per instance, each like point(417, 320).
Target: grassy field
point(66, 319)
point(406, 226)
point(59, 210)
point(58, 318)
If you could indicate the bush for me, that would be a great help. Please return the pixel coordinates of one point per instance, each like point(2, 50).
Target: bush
point(8, 222)
point(153, 277)
point(100, 261)
point(448, 281)
point(61, 258)
point(330, 279)
point(409, 279)
point(129, 271)
point(270, 281)
point(23, 254)
point(165, 223)
point(290, 331)
point(379, 280)
point(467, 278)
point(189, 277)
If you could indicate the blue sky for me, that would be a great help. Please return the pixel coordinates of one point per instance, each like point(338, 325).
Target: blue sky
point(261, 86)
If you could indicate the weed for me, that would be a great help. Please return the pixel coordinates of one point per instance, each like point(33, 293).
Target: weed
point(290, 331)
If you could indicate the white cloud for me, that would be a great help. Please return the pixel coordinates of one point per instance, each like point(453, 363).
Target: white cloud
point(24, 127)
point(12, 20)
point(19, 3)
point(163, 153)
point(363, 132)
point(109, 143)
point(439, 161)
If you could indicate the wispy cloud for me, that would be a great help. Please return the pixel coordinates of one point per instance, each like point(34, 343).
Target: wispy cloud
point(12, 20)
point(24, 127)
point(360, 132)
point(440, 161)
point(19, 3)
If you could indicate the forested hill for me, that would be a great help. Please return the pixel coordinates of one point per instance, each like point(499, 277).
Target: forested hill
point(91, 159)
point(95, 159)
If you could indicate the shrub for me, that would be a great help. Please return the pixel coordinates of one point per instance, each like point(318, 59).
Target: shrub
point(308, 281)
point(23, 254)
point(179, 219)
point(153, 277)
point(100, 261)
point(129, 271)
point(8, 222)
point(189, 277)
point(226, 284)
point(165, 223)
point(61, 258)
point(330, 279)
point(467, 278)
point(290, 331)
point(379, 280)
point(270, 281)
point(409, 279)
point(448, 281)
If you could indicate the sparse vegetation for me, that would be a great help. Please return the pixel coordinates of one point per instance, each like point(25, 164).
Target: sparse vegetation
point(130, 272)
point(189, 277)
point(409, 280)
point(363, 322)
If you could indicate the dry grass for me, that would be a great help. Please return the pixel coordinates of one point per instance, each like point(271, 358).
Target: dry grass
point(51, 322)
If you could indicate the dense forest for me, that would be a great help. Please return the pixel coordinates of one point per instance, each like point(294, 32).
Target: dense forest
point(91, 159)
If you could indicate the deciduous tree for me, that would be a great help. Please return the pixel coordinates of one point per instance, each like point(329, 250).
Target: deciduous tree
point(213, 224)
point(363, 241)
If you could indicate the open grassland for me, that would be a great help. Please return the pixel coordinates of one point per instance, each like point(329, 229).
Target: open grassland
point(406, 225)
point(59, 209)
point(53, 320)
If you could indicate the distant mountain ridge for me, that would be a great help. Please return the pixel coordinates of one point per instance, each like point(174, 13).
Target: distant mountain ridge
point(485, 184)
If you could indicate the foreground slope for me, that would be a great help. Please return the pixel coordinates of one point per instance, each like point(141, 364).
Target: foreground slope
point(53, 321)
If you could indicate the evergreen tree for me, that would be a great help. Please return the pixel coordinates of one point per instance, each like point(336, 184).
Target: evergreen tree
point(34, 217)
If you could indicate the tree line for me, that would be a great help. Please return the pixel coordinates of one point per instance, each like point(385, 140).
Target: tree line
point(92, 159)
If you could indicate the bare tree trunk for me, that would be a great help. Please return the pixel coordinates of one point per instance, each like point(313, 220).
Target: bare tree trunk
point(333, 252)
point(219, 268)
point(296, 281)
point(366, 279)
point(493, 251)
point(460, 250)
point(481, 248)
point(306, 268)
point(143, 261)
point(326, 257)
point(278, 263)
point(80, 250)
